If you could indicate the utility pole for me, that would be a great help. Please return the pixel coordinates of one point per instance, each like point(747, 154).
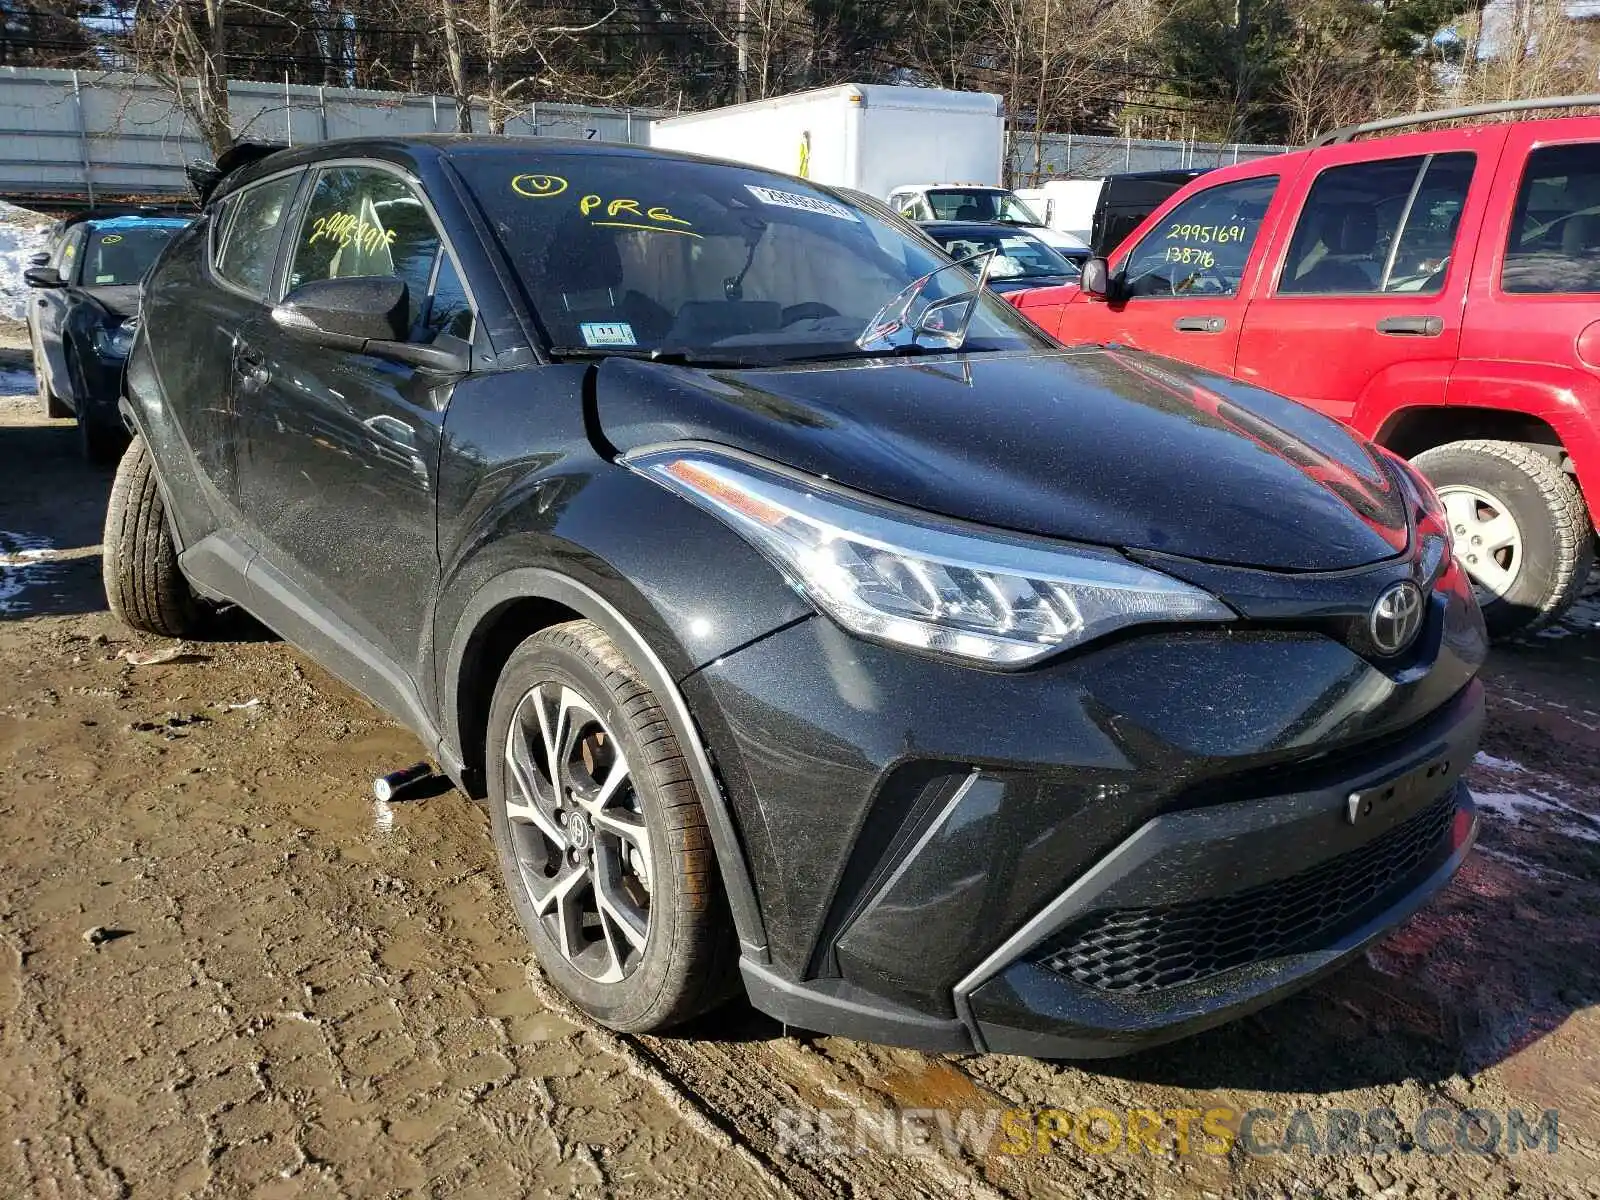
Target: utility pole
point(743, 40)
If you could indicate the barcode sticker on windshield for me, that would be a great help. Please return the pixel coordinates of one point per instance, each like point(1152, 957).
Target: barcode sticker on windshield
point(812, 204)
point(607, 333)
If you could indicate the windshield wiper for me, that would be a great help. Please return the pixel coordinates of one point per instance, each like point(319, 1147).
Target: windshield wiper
point(673, 357)
point(894, 317)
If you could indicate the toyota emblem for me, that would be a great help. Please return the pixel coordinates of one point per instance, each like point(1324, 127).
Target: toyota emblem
point(1396, 618)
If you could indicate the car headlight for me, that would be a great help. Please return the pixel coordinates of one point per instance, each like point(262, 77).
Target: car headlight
point(917, 580)
point(114, 341)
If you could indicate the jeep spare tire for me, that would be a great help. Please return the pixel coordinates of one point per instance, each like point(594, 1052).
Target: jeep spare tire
point(1519, 526)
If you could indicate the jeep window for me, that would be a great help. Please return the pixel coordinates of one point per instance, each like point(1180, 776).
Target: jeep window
point(255, 225)
point(1384, 226)
point(1200, 248)
point(707, 260)
point(1555, 228)
point(369, 221)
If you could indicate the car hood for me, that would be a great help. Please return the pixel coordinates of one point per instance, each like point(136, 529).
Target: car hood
point(122, 301)
point(1023, 283)
point(1097, 445)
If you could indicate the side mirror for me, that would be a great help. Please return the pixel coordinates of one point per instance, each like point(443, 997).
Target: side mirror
point(369, 314)
point(1096, 280)
point(39, 258)
point(43, 277)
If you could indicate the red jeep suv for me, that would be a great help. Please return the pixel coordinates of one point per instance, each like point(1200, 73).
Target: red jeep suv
point(1439, 291)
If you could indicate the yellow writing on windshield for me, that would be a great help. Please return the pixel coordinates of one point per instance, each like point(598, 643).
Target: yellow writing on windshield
point(1192, 255)
point(536, 186)
point(111, 239)
point(350, 230)
point(655, 217)
point(1207, 234)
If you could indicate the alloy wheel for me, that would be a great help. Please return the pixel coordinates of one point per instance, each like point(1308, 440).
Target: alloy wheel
point(582, 846)
point(1486, 539)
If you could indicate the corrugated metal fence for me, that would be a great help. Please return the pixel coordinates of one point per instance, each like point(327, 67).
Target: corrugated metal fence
point(89, 134)
point(1084, 156)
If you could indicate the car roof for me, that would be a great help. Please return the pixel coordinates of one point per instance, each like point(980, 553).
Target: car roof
point(413, 149)
point(951, 184)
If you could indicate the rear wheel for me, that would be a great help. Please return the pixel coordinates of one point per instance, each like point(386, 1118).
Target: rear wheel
point(1519, 526)
point(602, 836)
point(139, 563)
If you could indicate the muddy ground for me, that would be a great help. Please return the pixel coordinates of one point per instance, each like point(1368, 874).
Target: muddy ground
point(225, 971)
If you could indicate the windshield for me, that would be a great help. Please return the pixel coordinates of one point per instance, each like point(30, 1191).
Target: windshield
point(629, 254)
point(1017, 255)
point(979, 204)
point(117, 254)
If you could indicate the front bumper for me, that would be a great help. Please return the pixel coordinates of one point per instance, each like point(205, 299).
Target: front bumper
point(1127, 846)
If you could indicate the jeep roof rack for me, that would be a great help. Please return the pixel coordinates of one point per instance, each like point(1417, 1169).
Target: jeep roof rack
point(1350, 132)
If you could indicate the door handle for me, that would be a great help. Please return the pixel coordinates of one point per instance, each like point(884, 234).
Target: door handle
point(250, 365)
point(1412, 326)
point(1200, 324)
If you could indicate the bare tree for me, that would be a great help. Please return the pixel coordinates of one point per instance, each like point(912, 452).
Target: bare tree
point(184, 44)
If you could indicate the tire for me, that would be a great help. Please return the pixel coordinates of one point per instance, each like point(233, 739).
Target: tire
point(54, 407)
point(139, 563)
point(1550, 564)
point(687, 961)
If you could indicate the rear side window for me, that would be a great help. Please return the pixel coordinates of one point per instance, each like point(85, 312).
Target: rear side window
point(1555, 229)
point(1386, 226)
point(1200, 248)
point(255, 220)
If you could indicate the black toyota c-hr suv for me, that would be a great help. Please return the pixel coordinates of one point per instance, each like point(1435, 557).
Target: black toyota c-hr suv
point(806, 619)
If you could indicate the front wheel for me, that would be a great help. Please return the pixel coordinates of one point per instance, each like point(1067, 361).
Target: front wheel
point(602, 837)
point(1519, 526)
point(53, 405)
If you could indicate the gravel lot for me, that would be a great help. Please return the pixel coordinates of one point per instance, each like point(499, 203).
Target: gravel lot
point(292, 991)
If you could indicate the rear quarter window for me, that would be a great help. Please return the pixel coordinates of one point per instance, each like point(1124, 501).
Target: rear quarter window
point(1554, 246)
point(255, 220)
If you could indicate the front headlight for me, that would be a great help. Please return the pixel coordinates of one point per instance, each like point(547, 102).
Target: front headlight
point(917, 580)
point(115, 341)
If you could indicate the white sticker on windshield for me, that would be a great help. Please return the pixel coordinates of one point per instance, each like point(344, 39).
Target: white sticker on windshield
point(105, 278)
point(811, 204)
point(607, 333)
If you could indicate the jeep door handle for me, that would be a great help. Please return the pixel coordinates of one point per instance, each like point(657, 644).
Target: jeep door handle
point(1412, 326)
point(1200, 324)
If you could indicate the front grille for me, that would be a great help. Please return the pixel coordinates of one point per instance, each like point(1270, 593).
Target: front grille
point(1134, 950)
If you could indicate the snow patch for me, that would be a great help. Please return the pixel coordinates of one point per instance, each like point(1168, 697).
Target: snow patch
point(24, 550)
point(16, 381)
point(1505, 765)
point(22, 233)
point(1515, 807)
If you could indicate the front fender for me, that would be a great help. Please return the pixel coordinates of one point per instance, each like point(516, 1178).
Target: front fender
point(551, 520)
point(559, 587)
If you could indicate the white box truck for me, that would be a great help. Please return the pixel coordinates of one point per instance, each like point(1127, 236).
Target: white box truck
point(870, 137)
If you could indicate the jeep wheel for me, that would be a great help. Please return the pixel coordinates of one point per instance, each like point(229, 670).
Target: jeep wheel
point(144, 586)
point(1519, 526)
point(602, 837)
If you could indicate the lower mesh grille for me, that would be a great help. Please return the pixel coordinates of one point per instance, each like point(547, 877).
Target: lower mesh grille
point(1134, 950)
